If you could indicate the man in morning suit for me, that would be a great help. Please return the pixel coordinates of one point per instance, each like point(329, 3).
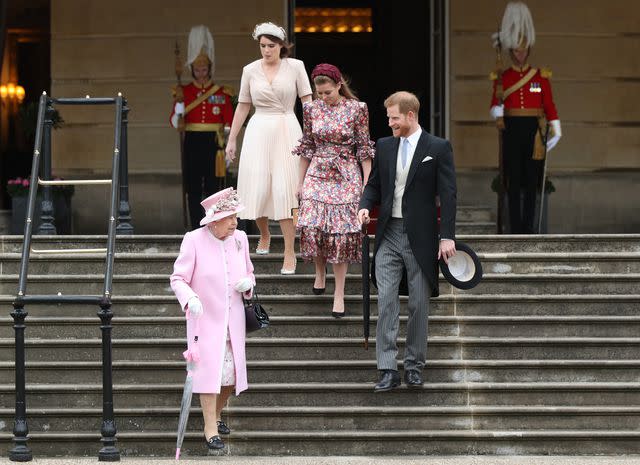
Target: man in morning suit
point(409, 171)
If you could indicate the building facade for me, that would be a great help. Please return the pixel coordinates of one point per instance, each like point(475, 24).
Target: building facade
point(101, 48)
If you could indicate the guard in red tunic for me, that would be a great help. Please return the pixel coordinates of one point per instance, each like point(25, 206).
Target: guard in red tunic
point(523, 102)
point(203, 110)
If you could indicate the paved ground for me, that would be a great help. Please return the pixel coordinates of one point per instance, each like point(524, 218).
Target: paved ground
point(432, 460)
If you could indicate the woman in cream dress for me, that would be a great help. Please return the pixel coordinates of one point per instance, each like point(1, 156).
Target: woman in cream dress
point(268, 174)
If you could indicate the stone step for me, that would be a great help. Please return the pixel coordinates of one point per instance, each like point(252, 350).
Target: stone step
point(150, 244)
point(474, 213)
point(339, 394)
point(464, 228)
point(277, 348)
point(473, 227)
point(360, 418)
point(492, 283)
point(349, 326)
point(357, 443)
point(162, 263)
point(312, 305)
point(337, 370)
point(474, 219)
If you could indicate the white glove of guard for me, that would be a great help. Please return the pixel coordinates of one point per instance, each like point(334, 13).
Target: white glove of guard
point(194, 306)
point(497, 111)
point(244, 285)
point(178, 110)
point(557, 134)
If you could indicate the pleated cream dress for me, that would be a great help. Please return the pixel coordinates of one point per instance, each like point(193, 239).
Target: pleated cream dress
point(268, 174)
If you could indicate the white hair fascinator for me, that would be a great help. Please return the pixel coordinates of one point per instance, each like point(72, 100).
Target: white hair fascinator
point(269, 29)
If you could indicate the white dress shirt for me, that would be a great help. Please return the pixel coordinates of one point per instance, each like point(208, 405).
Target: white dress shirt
point(403, 172)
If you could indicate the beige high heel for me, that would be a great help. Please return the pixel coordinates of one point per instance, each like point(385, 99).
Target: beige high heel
point(290, 271)
point(263, 250)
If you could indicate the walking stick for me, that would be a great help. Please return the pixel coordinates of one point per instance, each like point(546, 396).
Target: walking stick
point(544, 176)
point(179, 97)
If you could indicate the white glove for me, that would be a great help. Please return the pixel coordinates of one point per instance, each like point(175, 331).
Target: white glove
point(497, 111)
point(244, 285)
point(557, 134)
point(194, 306)
point(177, 111)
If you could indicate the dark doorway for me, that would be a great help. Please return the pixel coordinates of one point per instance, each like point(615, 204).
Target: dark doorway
point(26, 63)
point(393, 55)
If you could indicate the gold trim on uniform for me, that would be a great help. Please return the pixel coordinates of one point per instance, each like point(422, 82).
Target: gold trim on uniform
point(203, 127)
point(521, 112)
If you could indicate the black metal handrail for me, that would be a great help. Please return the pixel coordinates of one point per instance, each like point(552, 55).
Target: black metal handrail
point(109, 452)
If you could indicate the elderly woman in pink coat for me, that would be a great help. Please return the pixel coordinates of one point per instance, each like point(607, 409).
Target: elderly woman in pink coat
point(210, 277)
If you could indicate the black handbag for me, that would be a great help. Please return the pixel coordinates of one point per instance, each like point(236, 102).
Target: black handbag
point(255, 315)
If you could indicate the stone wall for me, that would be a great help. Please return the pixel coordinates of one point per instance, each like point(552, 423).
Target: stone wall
point(100, 48)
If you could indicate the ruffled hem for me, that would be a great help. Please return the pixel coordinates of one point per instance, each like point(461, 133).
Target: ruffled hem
point(335, 248)
point(329, 218)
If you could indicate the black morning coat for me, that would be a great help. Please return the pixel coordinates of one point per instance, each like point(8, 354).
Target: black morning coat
point(426, 180)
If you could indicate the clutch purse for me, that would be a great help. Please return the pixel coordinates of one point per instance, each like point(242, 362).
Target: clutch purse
point(255, 315)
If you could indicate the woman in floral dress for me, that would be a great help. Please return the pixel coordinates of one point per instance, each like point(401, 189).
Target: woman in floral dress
point(335, 162)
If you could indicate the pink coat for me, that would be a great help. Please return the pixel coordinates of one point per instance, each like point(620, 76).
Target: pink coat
point(209, 268)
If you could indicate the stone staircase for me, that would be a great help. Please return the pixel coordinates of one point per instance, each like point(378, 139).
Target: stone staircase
point(543, 357)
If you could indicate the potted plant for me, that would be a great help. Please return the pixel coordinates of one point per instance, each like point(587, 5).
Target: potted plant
point(18, 189)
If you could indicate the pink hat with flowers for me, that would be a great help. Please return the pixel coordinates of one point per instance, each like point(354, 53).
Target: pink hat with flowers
point(221, 204)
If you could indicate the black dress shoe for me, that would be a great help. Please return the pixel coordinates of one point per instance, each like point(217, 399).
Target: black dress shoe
point(413, 378)
point(318, 290)
point(215, 442)
point(389, 379)
point(338, 314)
point(223, 428)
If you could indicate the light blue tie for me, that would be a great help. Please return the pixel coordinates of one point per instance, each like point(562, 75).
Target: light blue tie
point(404, 152)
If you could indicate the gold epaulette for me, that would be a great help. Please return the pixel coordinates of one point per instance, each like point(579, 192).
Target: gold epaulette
point(228, 90)
point(546, 73)
point(493, 76)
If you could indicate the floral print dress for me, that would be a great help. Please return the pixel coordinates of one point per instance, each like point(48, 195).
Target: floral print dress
point(336, 139)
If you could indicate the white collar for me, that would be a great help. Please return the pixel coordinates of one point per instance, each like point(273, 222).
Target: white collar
point(214, 236)
point(413, 138)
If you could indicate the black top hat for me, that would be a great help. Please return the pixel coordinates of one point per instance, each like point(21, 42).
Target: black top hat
point(464, 270)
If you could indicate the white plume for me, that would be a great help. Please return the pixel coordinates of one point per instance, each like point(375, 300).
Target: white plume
point(200, 40)
point(517, 26)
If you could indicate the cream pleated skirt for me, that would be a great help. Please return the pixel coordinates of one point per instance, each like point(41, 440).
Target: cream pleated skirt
point(268, 172)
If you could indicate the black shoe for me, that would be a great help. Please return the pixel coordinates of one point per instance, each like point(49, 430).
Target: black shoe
point(223, 428)
point(389, 379)
point(318, 290)
point(215, 442)
point(413, 378)
point(338, 314)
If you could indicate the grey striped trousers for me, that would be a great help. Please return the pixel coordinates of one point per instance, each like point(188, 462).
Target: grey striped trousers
point(393, 254)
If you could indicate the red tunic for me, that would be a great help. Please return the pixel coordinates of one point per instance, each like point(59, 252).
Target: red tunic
point(536, 93)
point(214, 110)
